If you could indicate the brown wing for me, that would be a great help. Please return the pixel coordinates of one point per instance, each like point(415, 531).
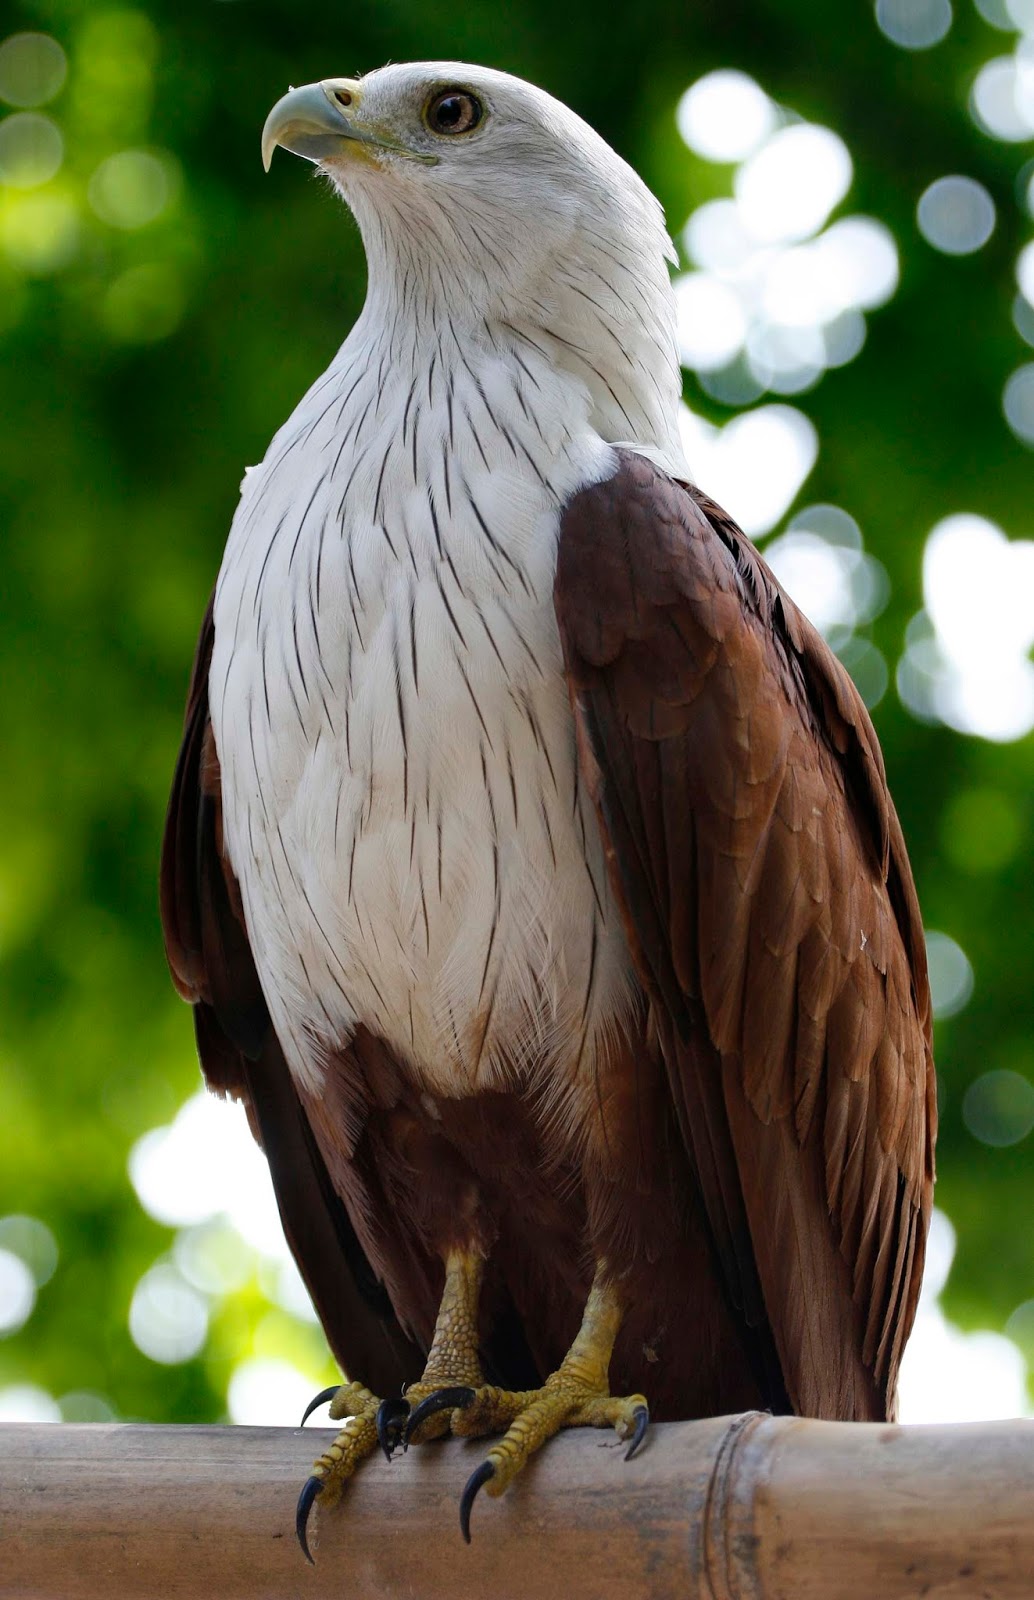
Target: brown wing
point(212, 967)
point(771, 913)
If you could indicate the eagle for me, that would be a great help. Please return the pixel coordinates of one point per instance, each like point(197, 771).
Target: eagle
point(530, 864)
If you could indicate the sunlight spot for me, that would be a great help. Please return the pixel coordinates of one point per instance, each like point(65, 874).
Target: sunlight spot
point(40, 232)
point(1002, 101)
point(725, 116)
point(914, 24)
point(966, 661)
point(213, 1257)
point(144, 303)
point(998, 1108)
point(33, 68)
point(1018, 403)
point(205, 1163)
point(835, 584)
point(17, 1293)
point(26, 1402)
point(268, 1393)
point(168, 1320)
point(951, 976)
point(131, 188)
point(951, 1376)
point(981, 830)
point(81, 1405)
point(956, 215)
point(1025, 272)
point(33, 1241)
point(755, 465)
point(710, 322)
point(31, 150)
point(788, 188)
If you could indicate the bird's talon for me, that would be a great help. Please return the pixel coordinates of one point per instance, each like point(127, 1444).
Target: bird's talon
point(317, 1401)
point(441, 1400)
point(391, 1415)
point(641, 1418)
point(475, 1483)
point(306, 1501)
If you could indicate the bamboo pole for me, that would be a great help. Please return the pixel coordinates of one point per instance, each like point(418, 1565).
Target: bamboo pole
point(735, 1508)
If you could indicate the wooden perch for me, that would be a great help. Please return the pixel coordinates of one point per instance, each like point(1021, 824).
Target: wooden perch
point(736, 1508)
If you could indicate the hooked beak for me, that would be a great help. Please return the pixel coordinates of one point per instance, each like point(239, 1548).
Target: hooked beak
point(318, 121)
point(311, 121)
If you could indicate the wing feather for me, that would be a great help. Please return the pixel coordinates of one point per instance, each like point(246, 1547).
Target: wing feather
point(772, 917)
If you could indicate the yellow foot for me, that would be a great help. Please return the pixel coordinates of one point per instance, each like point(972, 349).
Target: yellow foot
point(532, 1417)
point(369, 1422)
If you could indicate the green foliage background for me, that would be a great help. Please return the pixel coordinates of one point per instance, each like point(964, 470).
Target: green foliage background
point(141, 375)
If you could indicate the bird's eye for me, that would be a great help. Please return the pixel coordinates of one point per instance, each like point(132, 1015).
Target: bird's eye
point(455, 111)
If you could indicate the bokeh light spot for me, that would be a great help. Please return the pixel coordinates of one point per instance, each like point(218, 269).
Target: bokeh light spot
point(998, 1108)
point(1002, 101)
point(755, 465)
point(860, 256)
point(1025, 272)
point(868, 668)
point(33, 1241)
point(844, 338)
point(40, 232)
point(168, 1320)
point(819, 560)
point(213, 1257)
point(956, 215)
point(144, 303)
point(966, 661)
point(130, 189)
point(788, 188)
point(951, 1376)
point(17, 1292)
point(786, 359)
point(980, 830)
point(27, 1402)
point(81, 1405)
point(31, 150)
point(710, 322)
point(1018, 403)
point(995, 13)
point(33, 68)
point(914, 24)
point(1023, 318)
point(725, 116)
point(951, 976)
point(269, 1393)
point(206, 1163)
point(1020, 1327)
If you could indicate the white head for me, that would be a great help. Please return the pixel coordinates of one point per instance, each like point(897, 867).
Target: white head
point(481, 198)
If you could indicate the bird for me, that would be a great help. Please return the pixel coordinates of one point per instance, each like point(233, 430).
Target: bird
point(530, 864)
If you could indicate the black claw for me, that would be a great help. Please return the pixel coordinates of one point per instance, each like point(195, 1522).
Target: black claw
point(641, 1417)
point(319, 1400)
point(475, 1483)
point(391, 1414)
point(441, 1400)
point(310, 1489)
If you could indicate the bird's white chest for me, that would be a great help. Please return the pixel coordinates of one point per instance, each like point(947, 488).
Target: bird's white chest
point(401, 797)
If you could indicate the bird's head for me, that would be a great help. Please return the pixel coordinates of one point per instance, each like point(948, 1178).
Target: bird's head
point(479, 195)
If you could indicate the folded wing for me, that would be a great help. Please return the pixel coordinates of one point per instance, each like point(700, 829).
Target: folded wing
point(771, 914)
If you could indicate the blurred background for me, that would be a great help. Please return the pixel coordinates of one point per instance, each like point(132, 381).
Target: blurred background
point(851, 190)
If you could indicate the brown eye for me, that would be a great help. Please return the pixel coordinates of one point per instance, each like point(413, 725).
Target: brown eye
point(455, 111)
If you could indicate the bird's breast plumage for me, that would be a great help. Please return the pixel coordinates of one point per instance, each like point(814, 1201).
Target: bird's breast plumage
point(402, 805)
